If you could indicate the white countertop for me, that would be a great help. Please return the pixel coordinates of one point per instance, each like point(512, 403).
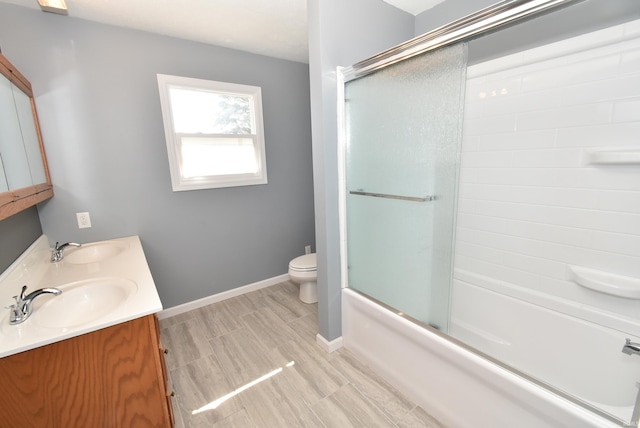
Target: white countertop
point(34, 269)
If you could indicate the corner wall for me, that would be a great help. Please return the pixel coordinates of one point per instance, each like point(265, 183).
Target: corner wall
point(97, 98)
point(17, 233)
point(340, 34)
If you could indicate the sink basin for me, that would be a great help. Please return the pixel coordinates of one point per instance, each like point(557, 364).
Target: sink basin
point(82, 302)
point(93, 253)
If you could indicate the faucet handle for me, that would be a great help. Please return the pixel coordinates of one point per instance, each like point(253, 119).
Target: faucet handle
point(56, 254)
point(19, 298)
point(23, 293)
point(15, 312)
point(15, 309)
point(14, 305)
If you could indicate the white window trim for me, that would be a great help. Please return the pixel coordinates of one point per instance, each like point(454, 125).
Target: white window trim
point(180, 183)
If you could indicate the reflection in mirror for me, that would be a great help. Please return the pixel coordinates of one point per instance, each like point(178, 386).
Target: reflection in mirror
point(14, 160)
point(29, 136)
point(24, 177)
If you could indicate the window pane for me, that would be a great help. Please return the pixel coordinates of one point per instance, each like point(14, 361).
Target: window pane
point(214, 133)
point(199, 111)
point(217, 156)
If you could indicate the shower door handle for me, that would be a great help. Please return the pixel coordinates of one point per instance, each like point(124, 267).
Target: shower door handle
point(385, 195)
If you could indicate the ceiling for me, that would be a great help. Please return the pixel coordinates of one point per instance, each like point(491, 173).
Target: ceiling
point(276, 28)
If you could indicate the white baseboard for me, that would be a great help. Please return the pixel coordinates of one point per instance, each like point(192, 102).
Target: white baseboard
point(186, 307)
point(329, 347)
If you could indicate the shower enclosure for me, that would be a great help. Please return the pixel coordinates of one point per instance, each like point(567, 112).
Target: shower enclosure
point(492, 192)
point(401, 178)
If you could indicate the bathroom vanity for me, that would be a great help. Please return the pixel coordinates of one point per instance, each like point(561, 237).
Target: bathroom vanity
point(91, 356)
point(113, 377)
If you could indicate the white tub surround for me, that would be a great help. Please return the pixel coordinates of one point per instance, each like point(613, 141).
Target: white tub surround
point(118, 263)
point(547, 249)
point(549, 196)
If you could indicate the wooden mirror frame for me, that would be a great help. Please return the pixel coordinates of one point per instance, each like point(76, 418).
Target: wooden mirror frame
point(16, 200)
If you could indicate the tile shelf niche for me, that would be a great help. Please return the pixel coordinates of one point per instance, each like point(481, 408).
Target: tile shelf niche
point(605, 282)
point(614, 157)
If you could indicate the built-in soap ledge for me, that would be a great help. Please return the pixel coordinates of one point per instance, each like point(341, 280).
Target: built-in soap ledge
point(619, 156)
point(605, 282)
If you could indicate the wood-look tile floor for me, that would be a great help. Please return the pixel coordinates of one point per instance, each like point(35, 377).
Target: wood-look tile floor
point(253, 361)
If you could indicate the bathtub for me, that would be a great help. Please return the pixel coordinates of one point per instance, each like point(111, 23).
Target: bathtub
point(462, 388)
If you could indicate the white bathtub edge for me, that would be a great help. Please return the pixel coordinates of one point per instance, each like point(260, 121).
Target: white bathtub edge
point(454, 385)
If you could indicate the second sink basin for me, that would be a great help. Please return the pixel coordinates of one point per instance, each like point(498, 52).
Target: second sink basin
point(93, 253)
point(83, 302)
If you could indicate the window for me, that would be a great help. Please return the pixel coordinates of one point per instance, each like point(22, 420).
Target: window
point(214, 133)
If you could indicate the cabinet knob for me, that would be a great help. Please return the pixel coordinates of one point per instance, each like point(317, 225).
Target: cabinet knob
point(165, 351)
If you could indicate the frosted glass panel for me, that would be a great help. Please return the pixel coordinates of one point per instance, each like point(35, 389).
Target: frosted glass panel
point(403, 135)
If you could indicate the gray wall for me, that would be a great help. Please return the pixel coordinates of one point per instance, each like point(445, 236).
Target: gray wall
point(17, 233)
point(340, 34)
point(564, 22)
point(98, 103)
point(446, 12)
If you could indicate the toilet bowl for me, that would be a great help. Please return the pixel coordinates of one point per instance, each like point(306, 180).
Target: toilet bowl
point(303, 271)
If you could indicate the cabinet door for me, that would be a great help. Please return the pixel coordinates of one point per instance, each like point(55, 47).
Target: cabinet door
point(162, 351)
point(108, 378)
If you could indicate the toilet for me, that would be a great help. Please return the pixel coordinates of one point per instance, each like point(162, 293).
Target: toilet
point(303, 271)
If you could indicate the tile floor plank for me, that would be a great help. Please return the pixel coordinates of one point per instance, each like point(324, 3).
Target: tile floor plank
point(289, 307)
point(306, 327)
point(273, 405)
point(217, 320)
point(230, 346)
point(309, 375)
point(237, 420)
point(371, 385)
point(242, 357)
point(270, 330)
point(199, 384)
point(186, 342)
point(348, 408)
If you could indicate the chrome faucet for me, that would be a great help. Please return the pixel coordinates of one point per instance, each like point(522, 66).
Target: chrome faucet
point(631, 348)
point(22, 309)
point(56, 253)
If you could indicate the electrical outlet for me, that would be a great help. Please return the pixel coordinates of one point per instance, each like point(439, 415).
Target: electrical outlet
point(307, 249)
point(84, 221)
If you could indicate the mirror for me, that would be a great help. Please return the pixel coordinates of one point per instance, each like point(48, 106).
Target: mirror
point(24, 175)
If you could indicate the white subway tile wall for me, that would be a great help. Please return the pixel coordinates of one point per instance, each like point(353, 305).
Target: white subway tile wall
point(529, 202)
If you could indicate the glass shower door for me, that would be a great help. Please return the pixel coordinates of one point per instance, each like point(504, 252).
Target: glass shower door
point(403, 126)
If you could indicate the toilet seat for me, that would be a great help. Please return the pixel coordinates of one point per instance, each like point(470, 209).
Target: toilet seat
point(303, 271)
point(305, 263)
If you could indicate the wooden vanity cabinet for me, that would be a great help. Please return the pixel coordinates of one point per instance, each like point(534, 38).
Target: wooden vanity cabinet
point(114, 377)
